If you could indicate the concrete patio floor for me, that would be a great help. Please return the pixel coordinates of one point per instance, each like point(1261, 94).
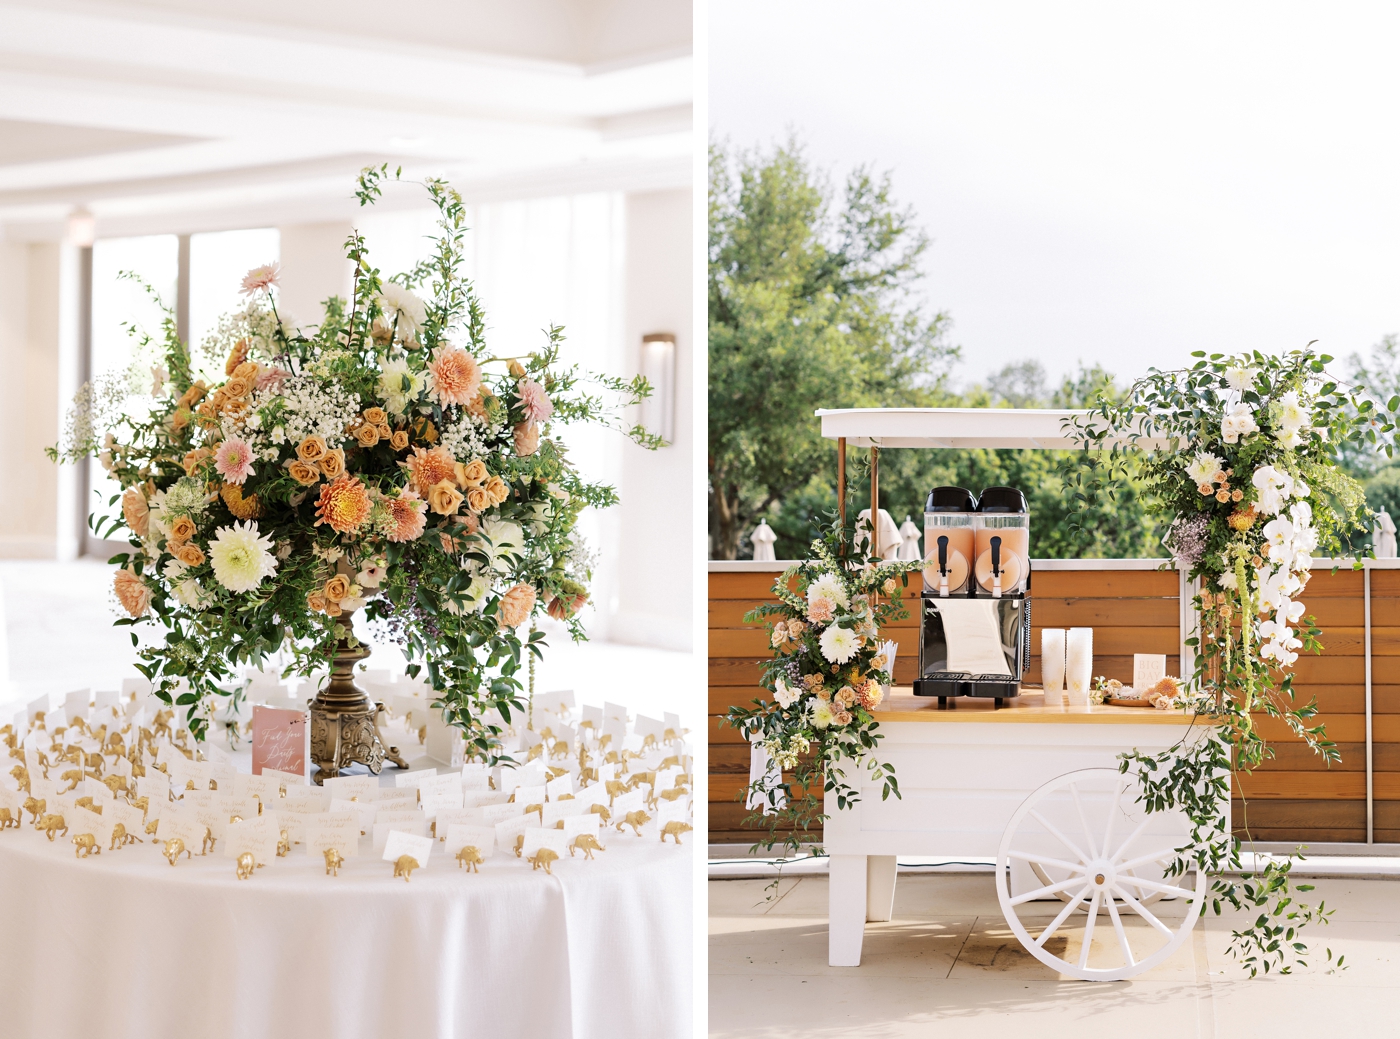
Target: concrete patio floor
point(948, 966)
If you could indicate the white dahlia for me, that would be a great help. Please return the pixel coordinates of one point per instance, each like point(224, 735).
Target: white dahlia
point(828, 586)
point(241, 559)
point(839, 644)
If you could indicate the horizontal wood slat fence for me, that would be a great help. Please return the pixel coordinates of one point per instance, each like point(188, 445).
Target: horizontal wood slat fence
point(1293, 797)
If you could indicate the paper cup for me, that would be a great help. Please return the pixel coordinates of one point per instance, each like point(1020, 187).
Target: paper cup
point(1052, 664)
point(1079, 665)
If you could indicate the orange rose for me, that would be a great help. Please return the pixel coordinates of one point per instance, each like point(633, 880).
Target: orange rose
point(239, 355)
point(188, 553)
point(311, 449)
point(193, 395)
point(496, 487)
point(367, 435)
point(237, 388)
point(180, 419)
point(302, 473)
point(399, 440)
point(136, 512)
point(443, 497)
point(383, 430)
point(332, 463)
point(478, 500)
point(376, 416)
point(247, 370)
point(333, 609)
point(527, 439)
point(473, 474)
point(316, 601)
point(194, 458)
point(182, 529)
point(337, 588)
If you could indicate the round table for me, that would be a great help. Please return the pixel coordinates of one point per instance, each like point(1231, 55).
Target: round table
point(123, 945)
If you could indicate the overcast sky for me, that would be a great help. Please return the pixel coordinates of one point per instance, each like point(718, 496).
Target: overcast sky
point(1110, 182)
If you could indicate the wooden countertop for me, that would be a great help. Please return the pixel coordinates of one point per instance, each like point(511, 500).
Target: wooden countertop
point(903, 706)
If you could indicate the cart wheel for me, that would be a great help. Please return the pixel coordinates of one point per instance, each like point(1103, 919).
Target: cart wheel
point(1085, 837)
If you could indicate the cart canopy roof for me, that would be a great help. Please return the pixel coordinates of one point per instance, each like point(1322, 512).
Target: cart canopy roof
point(1042, 428)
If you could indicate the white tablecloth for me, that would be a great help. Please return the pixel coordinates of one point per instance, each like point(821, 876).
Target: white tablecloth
point(123, 946)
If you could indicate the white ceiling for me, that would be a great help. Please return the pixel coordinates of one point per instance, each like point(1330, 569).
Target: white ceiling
point(174, 115)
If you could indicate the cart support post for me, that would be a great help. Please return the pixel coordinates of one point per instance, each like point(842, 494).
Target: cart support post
point(874, 501)
point(841, 479)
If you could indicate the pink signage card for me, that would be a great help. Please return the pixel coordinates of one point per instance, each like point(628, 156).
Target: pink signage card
point(281, 740)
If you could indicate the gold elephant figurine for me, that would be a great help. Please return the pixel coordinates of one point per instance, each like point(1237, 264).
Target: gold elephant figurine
point(120, 838)
point(35, 806)
point(542, 859)
point(615, 788)
point(404, 866)
point(674, 829)
point(334, 860)
point(85, 846)
point(53, 824)
point(7, 820)
point(209, 841)
point(284, 845)
point(636, 820)
point(586, 843)
point(674, 759)
point(246, 865)
point(604, 811)
point(470, 857)
point(173, 848)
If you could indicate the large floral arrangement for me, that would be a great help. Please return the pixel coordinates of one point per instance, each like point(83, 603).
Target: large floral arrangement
point(827, 675)
point(1251, 483)
point(382, 462)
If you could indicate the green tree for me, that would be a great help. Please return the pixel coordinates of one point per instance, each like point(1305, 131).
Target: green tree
point(810, 306)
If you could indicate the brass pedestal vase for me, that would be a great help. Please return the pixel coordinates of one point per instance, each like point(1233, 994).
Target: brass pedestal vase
point(345, 722)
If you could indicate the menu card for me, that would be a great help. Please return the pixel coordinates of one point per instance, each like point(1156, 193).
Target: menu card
point(281, 740)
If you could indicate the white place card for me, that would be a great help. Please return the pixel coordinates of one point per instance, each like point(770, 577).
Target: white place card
point(461, 835)
point(1148, 670)
point(405, 795)
point(11, 799)
point(398, 815)
point(287, 779)
point(418, 827)
point(673, 722)
point(632, 801)
point(82, 820)
point(450, 817)
point(322, 835)
point(645, 726)
point(297, 823)
point(617, 729)
point(530, 795)
point(364, 812)
point(507, 829)
point(154, 785)
point(399, 843)
point(556, 810)
point(362, 787)
point(182, 824)
point(412, 779)
point(557, 787)
point(75, 705)
point(498, 813)
point(672, 811)
point(538, 837)
point(594, 715)
point(259, 836)
point(305, 799)
point(438, 792)
point(477, 798)
point(476, 775)
point(128, 815)
point(588, 823)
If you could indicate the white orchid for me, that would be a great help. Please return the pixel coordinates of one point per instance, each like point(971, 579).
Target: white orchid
point(1289, 611)
point(1289, 439)
point(1278, 532)
point(785, 694)
point(1275, 488)
point(1238, 422)
point(1239, 378)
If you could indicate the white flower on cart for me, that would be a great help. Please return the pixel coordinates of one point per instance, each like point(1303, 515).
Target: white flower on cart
point(839, 644)
point(1292, 415)
point(828, 586)
point(785, 694)
point(1275, 488)
point(1278, 532)
point(1228, 580)
point(1204, 468)
point(1238, 422)
point(1238, 378)
point(822, 715)
point(1289, 611)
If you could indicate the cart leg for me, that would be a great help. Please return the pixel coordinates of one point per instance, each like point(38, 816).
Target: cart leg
point(846, 909)
point(880, 875)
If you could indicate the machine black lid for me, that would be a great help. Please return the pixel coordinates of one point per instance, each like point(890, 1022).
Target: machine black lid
point(1002, 499)
point(950, 499)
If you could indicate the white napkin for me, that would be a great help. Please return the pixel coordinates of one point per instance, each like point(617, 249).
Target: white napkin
point(974, 639)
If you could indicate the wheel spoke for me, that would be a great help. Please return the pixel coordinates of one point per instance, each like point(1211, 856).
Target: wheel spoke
point(1154, 885)
point(1046, 860)
point(1070, 907)
point(1143, 860)
point(1049, 889)
point(1084, 822)
point(1132, 837)
point(1089, 930)
point(1112, 811)
point(1122, 935)
point(1143, 912)
point(1054, 832)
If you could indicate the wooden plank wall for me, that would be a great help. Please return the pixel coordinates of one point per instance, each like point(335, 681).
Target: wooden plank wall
point(1130, 610)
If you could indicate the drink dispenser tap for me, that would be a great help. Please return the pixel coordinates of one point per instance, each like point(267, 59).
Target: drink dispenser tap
point(943, 565)
point(996, 567)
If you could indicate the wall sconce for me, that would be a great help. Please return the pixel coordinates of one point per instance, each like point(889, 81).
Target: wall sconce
point(82, 228)
point(659, 369)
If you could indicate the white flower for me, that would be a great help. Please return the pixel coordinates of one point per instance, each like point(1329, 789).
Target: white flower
point(1291, 414)
point(1301, 512)
point(241, 559)
point(1289, 439)
point(784, 694)
point(828, 586)
point(1278, 532)
point(1228, 580)
point(822, 714)
point(507, 541)
point(398, 387)
point(1274, 487)
point(158, 377)
point(838, 644)
point(191, 594)
point(1238, 422)
point(402, 306)
point(1239, 378)
point(1289, 611)
point(1204, 468)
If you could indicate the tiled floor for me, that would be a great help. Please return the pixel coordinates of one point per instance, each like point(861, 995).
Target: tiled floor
point(948, 966)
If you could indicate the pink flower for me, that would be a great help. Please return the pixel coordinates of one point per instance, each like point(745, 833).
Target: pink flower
point(538, 407)
point(406, 516)
point(261, 279)
point(271, 377)
point(234, 460)
point(456, 375)
point(820, 610)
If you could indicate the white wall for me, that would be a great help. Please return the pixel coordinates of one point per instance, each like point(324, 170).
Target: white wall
point(314, 268)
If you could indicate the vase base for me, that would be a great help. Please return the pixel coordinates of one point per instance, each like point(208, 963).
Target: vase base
point(344, 737)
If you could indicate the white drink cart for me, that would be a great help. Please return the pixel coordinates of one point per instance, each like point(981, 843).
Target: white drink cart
point(1036, 786)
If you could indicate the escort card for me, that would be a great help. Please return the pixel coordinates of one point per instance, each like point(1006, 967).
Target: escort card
point(556, 810)
point(181, 823)
point(363, 787)
point(11, 800)
point(305, 799)
point(398, 815)
point(500, 812)
point(460, 835)
point(343, 837)
point(154, 785)
point(286, 779)
point(75, 705)
point(632, 801)
point(418, 827)
point(555, 787)
point(81, 820)
point(296, 823)
point(529, 795)
point(258, 836)
point(450, 817)
point(387, 795)
point(264, 787)
point(576, 824)
point(477, 798)
point(399, 843)
point(507, 829)
point(645, 726)
point(363, 812)
point(476, 775)
point(538, 837)
point(672, 811)
point(128, 815)
point(594, 715)
point(438, 792)
point(412, 779)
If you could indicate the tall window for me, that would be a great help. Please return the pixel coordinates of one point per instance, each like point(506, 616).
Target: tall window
point(218, 262)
